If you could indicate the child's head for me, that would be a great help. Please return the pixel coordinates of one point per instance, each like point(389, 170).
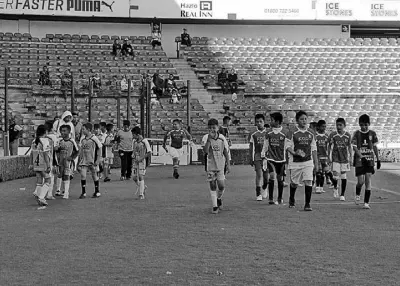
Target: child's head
point(301, 119)
point(103, 126)
point(96, 129)
point(126, 124)
point(340, 124)
point(87, 129)
point(40, 132)
point(49, 126)
point(176, 124)
point(313, 125)
point(65, 130)
point(321, 126)
point(364, 122)
point(260, 121)
point(136, 132)
point(213, 126)
point(226, 121)
point(110, 127)
point(276, 119)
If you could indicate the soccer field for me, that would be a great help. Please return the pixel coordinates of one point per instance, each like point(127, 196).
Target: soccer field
point(171, 238)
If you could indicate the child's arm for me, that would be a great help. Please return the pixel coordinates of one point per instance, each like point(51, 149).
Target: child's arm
point(167, 135)
point(188, 136)
point(227, 161)
point(251, 148)
point(31, 160)
point(206, 147)
point(376, 151)
point(314, 154)
point(265, 148)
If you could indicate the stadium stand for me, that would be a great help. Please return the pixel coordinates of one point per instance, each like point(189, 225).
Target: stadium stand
point(329, 77)
point(83, 55)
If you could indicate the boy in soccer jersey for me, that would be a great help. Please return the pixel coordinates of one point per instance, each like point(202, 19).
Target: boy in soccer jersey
point(141, 151)
point(365, 143)
point(256, 146)
point(101, 136)
point(303, 160)
point(216, 148)
point(108, 153)
point(66, 152)
point(274, 152)
point(53, 138)
point(322, 140)
point(341, 153)
point(89, 159)
point(177, 134)
point(224, 129)
point(41, 163)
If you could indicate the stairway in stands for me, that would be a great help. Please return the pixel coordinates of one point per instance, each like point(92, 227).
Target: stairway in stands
point(197, 89)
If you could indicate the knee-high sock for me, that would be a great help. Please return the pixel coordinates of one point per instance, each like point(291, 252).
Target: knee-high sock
point(96, 186)
point(358, 190)
point(51, 186)
point(344, 184)
point(141, 187)
point(292, 194)
point(214, 198)
point(280, 190)
point(220, 193)
point(367, 196)
point(37, 189)
point(66, 187)
point(58, 186)
point(271, 189)
point(258, 191)
point(43, 190)
point(308, 193)
point(83, 185)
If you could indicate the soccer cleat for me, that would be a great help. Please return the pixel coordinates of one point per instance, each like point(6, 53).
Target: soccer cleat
point(342, 198)
point(307, 208)
point(141, 197)
point(366, 206)
point(322, 189)
point(318, 190)
point(292, 206)
point(215, 210)
point(50, 198)
point(122, 178)
point(264, 194)
point(335, 193)
point(219, 203)
point(271, 202)
point(96, 195)
point(82, 196)
point(58, 193)
point(280, 201)
point(42, 203)
point(357, 200)
point(66, 196)
point(106, 180)
point(259, 198)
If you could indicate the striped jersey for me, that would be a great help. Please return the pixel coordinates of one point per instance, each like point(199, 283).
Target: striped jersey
point(177, 137)
point(257, 139)
point(215, 155)
point(90, 150)
point(275, 141)
point(66, 148)
point(303, 140)
point(365, 142)
point(322, 141)
point(40, 152)
point(339, 145)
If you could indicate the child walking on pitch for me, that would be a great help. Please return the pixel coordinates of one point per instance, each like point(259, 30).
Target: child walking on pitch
point(340, 150)
point(141, 151)
point(302, 159)
point(124, 139)
point(41, 163)
point(216, 148)
point(274, 152)
point(53, 138)
point(66, 152)
point(97, 130)
point(365, 143)
point(177, 134)
point(108, 153)
point(322, 140)
point(256, 161)
point(89, 159)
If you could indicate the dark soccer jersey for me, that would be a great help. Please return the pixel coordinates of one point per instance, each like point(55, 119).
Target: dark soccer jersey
point(302, 140)
point(365, 142)
point(340, 147)
point(257, 139)
point(276, 140)
point(90, 148)
point(322, 141)
point(225, 131)
point(177, 137)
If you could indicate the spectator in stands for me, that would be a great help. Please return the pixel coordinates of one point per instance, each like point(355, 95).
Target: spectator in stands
point(14, 135)
point(96, 81)
point(175, 97)
point(66, 119)
point(66, 81)
point(158, 85)
point(185, 38)
point(170, 85)
point(44, 77)
point(223, 81)
point(233, 81)
point(116, 48)
point(78, 126)
point(127, 49)
point(124, 83)
point(156, 38)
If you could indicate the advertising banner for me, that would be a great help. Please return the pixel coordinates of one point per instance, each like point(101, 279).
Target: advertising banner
point(337, 10)
point(81, 8)
point(379, 10)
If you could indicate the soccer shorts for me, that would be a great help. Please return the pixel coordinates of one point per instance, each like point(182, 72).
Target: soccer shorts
point(66, 169)
point(108, 160)
point(175, 153)
point(139, 169)
point(44, 174)
point(360, 171)
point(340, 168)
point(215, 176)
point(258, 165)
point(93, 169)
point(300, 175)
point(323, 164)
point(279, 168)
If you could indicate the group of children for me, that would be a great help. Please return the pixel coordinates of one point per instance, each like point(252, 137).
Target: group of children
point(311, 156)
